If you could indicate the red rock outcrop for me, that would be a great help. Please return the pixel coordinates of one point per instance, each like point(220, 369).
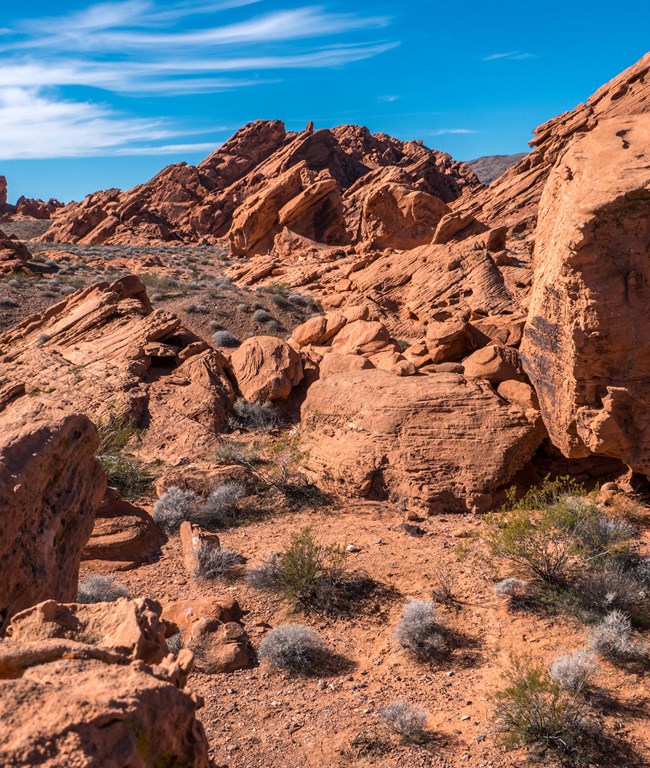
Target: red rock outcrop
point(123, 536)
point(513, 199)
point(50, 487)
point(14, 256)
point(109, 354)
point(265, 181)
point(31, 208)
point(439, 443)
point(266, 369)
point(213, 633)
point(88, 683)
point(587, 337)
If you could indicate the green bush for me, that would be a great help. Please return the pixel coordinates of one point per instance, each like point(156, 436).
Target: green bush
point(313, 576)
point(123, 471)
point(536, 713)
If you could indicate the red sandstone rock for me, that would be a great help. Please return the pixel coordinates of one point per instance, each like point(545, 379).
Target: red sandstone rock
point(14, 256)
point(438, 442)
point(50, 487)
point(586, 342)
point(77, 688)
point(266, 369)
point(96, 349)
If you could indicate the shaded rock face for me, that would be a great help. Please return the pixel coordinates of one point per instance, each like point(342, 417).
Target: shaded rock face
point(80, 682)
point(439, 443)
point(265, 181)
point(105, 351)
point(586, 342)
point(50, 487)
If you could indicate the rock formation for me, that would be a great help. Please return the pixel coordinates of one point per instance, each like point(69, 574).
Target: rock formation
point(50, 487)
point(82, 683)
point(586, 340)
point(105, 351)
point(14, 256)
point(335, 186)
point(266, 369)
point(513, 199)
point(438, 443)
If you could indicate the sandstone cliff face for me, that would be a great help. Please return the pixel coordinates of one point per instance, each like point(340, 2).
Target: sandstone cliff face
point(514, 197)
point(50, 487)
point(264, 181)
point(106, 352)
point(86, 683)
point(586, 342)
point(439, 443)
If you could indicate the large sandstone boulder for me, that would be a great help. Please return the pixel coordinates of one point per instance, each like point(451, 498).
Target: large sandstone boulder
point(93, 685)
point(439, 443)
point(586, 346)
point(50, 486)
point(266, 369)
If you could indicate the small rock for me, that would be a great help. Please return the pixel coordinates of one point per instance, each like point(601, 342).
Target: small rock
point(352, 548)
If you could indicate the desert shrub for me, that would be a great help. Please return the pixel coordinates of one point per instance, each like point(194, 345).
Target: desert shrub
point(406, 720)
point(220, 508)
point(174, 507)
point(613, 638)
point(548, 493)
point(197, 309)
point(534, 712)
point(175, 643)
point(600, 534)
point(262, 316)
point(444, 585)
point(215, 325)
point(159, 283)
point(235, 452)
point(100, 589)
point(42, 339)
point(612, 588)
point(509, 587)
point(573, 671)
point(419, 631)
point(218, 563)
point(225, 339)
point(123, 471)
point(313, 576)
point(293, 648)
point(261, 417)
point(545, 543)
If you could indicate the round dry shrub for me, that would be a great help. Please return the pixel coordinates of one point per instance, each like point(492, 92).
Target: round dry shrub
point(100, 589)
point(419, 632)
point(174, 507)
point(293, 648)
point(404, 719)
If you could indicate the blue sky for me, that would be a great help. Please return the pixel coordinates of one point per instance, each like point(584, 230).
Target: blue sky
point(96, 95)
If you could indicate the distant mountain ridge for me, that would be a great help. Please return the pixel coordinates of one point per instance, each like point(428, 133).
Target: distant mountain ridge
point(490, 167)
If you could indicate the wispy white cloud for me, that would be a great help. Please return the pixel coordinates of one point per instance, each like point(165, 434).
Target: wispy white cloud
point(447, 131)
point(35, 126)
point(151, 47)
point(511, 55)
point(389, 98)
